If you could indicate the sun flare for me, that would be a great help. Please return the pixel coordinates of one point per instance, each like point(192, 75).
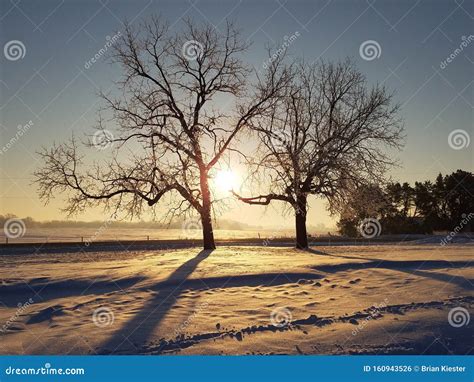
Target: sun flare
point(225, 180)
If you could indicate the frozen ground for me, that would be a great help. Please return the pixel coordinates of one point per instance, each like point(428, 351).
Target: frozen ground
point(388, 299)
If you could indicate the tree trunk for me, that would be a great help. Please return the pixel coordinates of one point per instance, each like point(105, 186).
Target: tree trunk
point(206, 220)
point(300, 217)
point(207, 233)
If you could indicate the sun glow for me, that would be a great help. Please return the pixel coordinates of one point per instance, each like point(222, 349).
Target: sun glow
point(226, 180)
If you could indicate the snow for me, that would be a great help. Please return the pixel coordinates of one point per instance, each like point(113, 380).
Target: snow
point(387, 299)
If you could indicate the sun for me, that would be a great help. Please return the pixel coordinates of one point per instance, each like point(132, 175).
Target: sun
point(225, 180)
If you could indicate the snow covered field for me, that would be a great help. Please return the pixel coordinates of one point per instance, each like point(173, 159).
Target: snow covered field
point(387, 299)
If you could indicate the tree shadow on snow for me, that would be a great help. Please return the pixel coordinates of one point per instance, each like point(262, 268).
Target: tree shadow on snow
point(137, 331)
point(413, 267)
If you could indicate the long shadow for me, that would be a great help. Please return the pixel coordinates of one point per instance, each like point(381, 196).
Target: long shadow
point(406, 266)
point(236, 281)
point(140, 327)
point(322, 253)
point(463, 282)
point(316, 252)
point(42, 289)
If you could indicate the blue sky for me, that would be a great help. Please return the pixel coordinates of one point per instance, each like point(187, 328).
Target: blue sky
point(51, 87)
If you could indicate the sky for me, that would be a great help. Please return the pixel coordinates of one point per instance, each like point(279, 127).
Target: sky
point(48, 91)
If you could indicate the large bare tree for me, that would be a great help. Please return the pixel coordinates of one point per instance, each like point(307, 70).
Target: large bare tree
point(183, 99)
point(327, 134)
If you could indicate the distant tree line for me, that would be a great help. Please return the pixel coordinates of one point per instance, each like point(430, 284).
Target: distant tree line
point(177, 224)
point(443, 205)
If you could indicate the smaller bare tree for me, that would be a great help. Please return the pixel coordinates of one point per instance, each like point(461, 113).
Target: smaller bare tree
point(183, 98)
point(327, 134)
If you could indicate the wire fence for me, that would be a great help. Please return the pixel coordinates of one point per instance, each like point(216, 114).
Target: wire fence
point(71, 239)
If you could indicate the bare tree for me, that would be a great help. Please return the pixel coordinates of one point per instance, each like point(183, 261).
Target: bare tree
point(327, 134)
point(184, 97)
